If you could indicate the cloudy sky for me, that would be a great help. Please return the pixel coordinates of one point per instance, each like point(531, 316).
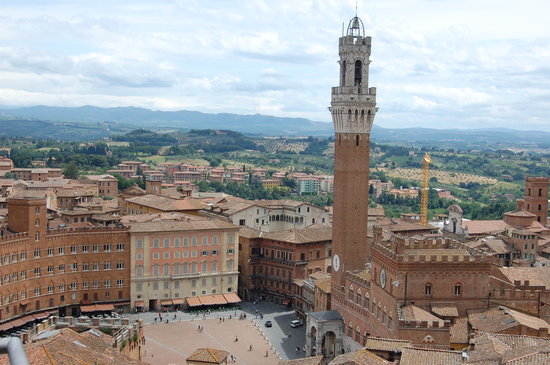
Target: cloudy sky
point(436, 63)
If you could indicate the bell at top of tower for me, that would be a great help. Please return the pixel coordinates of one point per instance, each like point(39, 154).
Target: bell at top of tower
point(356, 27)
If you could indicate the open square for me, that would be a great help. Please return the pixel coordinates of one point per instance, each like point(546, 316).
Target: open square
point(172, 343)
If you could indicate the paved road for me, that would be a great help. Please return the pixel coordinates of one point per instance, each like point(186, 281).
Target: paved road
point(278, 335)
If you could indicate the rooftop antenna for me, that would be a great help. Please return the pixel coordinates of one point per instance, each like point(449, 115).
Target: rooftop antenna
point(356, 1)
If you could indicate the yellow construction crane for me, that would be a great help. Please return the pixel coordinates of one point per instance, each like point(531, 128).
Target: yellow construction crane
point(426, 161)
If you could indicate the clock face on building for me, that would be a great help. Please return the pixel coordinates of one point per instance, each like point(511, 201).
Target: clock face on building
point(336, 262)
point(383, 278)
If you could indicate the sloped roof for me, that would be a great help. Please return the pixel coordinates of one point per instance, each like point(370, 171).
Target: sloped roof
point(501, 318)
point(485, 226)
point(303, 235)
point(445, 309)
point(417, 356)
point(539, 276)
point(493, 348)
point(494, 245)
point(386, 344)
point(459, 331)
point(174, 222)
point(413, 313)
point(327, 315)
point(361, 357)
point(165, 203)
point(324, 285)
point(208, 355)
point(315, 360)
point(69, 347)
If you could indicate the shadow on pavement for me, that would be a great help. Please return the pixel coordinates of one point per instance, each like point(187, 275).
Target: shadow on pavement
point(296, 339)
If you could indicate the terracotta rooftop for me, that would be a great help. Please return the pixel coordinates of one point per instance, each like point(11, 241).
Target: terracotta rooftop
point(386, 344)
point(417, 356)
point(413, 313)
point(361, 357)
point(397, 225)
point(499, 319)
point(492, 245)
point(303, 235)
point(66, 347)
point(208, 356)
point(485, 227)
point(538, 276)
point(459, 331)
point(491, 348)
point(173, 222)
point(445, 309)
point(164, 203)
point(324, 285)
point(315, 360)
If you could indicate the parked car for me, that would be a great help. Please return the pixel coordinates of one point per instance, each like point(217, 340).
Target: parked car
point(268, 324)
point(296, 323)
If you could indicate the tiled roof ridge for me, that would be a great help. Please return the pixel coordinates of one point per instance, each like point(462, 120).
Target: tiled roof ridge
point(211, 352)
point(389, 339)
point(48, 354)
point(497, 335)
point(535, 352)
point(433, 350)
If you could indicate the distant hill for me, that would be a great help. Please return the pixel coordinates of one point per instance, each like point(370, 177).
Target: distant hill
point(89, 123)
point(183, 119)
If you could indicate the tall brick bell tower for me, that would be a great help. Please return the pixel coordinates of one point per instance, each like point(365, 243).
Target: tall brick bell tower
point(353, 107)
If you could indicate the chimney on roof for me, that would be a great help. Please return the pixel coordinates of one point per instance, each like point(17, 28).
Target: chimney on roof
point(520, 204)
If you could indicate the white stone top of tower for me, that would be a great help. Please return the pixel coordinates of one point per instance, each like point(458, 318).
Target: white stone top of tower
point(356, 27)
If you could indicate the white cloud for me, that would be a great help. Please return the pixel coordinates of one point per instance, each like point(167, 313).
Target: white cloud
point(435, 63)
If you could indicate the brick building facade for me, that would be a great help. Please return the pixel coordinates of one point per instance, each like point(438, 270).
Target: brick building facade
point(59, 270)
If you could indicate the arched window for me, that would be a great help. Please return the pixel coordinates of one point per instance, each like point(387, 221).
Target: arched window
point(37, 236)
point(358, 334)
point(540, 192)
point(301, 220)
point(277, 218)
point(540, 207)
point(367, 300)
point(229, 265)
point(359, 297)
point(529, 192)
point(214, 266)
point(350, 293)
point(350, 330)
point(139, 271)
point(204, 267)
point(193, 267)
point(358, 73)
point(37, 222)
point(156, 270)
point(357, 140)
point(166, 270)
point(185, 268)
point(362, 116)
point(176, 269)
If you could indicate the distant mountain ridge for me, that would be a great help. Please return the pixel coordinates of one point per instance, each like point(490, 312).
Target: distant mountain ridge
point(90, 122)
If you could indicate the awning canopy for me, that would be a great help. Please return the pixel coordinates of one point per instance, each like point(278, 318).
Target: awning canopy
point(216, 299)
point(139, 303)
point(232, 298)
point(97, 308)
point(166, 302)
point(286, 301)
point(24, 303)
point(193, 301)
point(177, 301)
